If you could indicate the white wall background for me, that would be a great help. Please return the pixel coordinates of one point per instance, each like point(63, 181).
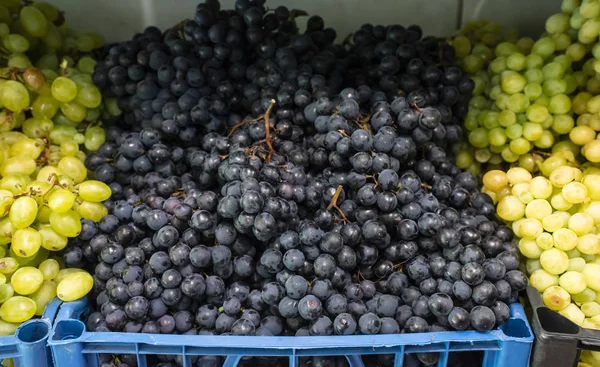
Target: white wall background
point(120, 19)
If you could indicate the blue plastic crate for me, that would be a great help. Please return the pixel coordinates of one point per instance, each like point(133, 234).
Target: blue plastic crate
point(28, 347)
point(73, 346)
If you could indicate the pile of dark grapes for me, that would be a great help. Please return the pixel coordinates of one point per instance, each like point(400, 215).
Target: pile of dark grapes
point(271, 182)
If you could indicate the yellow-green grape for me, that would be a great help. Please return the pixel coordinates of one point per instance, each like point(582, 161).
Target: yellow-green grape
point(23, 212)
point(7, 328)
point(49, 269)
point(544, 241)
point(6, 292)
point(44, 107)
point(587, 295)
point(92, 211)
point(573, 282)
point(529, 248)
point(73, 111)
point(540, 187)
point(89, 96)
point(93, 191)
point(16, 43)
point(574, 192)
point(538, 209)
point(61, 200)
point(94, 138)
point(573, 313)
point(74, 168)
point(34, 21)
point(590, 309)
point(589, 244)
point(18, 309)
point(555, 261)
point(26, 242)
point(14, 96)
point(581, 223)
point(510, 208)
point(564, 239)
point(562, 176)
point(556, 298)
point(43, 296)
point(541, 280)
point(17, 166)
point(67, 224)
point(64, 89)
point(27, 280)
point(63, 273)
point(576, 264)
point(74, 286)
point(51, 240)
point(530, 228)
point(592, 276)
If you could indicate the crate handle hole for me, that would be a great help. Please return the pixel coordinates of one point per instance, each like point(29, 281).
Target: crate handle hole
point(516, 328)
point(554, 322)
point(68, 329)
point(33, 332)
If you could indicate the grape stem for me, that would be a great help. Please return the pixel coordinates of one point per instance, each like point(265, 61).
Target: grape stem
point(268, 131)
point(333, 203)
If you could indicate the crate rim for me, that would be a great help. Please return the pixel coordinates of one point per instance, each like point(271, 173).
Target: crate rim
point(287, 342)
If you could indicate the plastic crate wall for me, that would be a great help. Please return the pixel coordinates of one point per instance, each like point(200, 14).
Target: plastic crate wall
point(119, 20)
point(28, 346)
point(73, 346)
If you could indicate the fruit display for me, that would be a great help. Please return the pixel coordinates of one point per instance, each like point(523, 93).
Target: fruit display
point(270, 182)
point(49, 119)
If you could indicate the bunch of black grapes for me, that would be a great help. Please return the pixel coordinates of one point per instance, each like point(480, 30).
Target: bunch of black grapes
point(271, 182)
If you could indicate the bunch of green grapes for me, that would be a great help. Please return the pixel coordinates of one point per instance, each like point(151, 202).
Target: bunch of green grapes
point(555, 217)
point(50, 114)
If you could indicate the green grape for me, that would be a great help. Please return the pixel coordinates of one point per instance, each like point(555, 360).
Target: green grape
point(574, 192)
point(573, 313)
point(23, 212)
point(14, 96)
point(581, 223)
point(112, 107)
point(592, 276)
point(510, 208)
point(513, 83)
point(556, 298)
point(51, 240)
point(64, 89)
point(518, 103)
point(478, 138)
point(532, 131)
point(544, 47)
point(589, 244)
point(92, 211)
point(6, 292)
point(94, 191)
point(497, 136)
point(52, 39)
point(573, 282)
point(43, 296)
point(563, 124)
point(94, 138)
point(516, 61)
point(545, 141)
point(61, 200)
point(74, 168)
point(73, 111)
point(554, 260)
point(89, 96)
point(49, 268)
point(18, 309)
point(16, 43)
point(514, 131)
point(74, 286)
point(554, 87)
point(587, 295)
point(576, 264)
point(44, 107)
point(26, 242)
point(541, 280)
point(67, 224)
point(520, 146)
point(33, 21)
point(27, 280)
point(553, 70)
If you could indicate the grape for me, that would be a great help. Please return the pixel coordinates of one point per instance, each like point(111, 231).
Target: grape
point(26, 280)
point(17, 309)
point(74, 286)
